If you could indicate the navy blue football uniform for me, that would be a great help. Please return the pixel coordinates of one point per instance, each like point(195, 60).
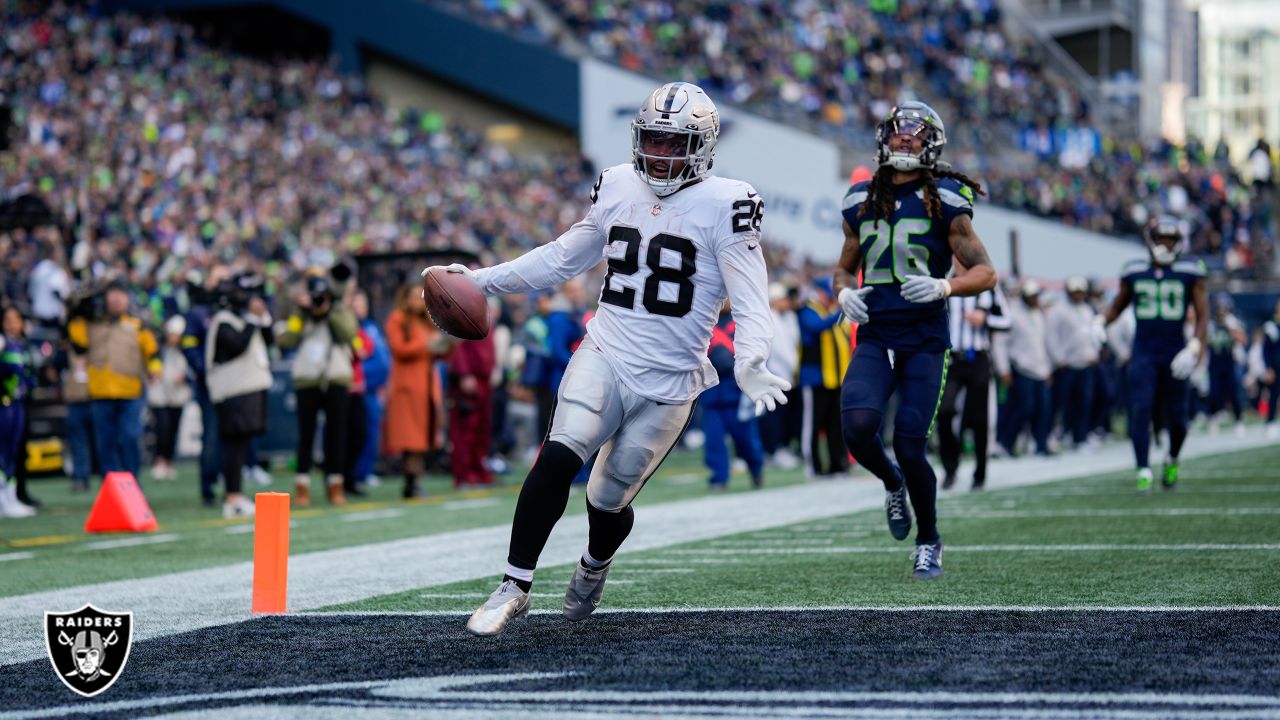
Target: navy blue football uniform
point(903, 347)
point(904, 344)
point(911, 243)
point(1161, 297)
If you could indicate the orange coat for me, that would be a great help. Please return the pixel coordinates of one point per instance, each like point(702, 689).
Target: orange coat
point(413, 419)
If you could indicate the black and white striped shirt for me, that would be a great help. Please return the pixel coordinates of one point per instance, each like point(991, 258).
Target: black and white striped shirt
point(965, 337)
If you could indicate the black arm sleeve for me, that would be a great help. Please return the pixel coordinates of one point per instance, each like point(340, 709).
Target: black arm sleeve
point(230, 342)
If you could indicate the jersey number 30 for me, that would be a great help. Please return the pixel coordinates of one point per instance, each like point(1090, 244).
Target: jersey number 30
point(1164, 299)
point(629, 264)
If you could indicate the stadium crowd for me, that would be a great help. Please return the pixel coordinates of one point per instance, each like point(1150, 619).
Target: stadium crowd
point(161, 169)
point(835, 67)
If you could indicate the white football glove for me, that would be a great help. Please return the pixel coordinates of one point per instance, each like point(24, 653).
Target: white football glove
point(1185, 362)
point(1098, 332)
point(854, 305)
point(925, 289)
point(454, 268)
point(765, 389)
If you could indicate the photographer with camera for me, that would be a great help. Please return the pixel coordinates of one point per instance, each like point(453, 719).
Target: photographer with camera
point(121, 356)
point(238, 373)
point(321, 329)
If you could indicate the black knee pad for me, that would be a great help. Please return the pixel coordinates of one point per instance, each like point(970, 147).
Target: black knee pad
point(555, 460)
point(859, 426)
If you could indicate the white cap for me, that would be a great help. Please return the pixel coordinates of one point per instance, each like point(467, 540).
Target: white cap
point(777, 291)
point(1076, 283)
point(1030, 287)
point(175, 325)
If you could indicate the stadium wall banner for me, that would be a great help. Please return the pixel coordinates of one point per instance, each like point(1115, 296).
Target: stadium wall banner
point(799, 176)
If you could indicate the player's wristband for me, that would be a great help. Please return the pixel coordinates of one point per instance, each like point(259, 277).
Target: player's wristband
point(946, 289)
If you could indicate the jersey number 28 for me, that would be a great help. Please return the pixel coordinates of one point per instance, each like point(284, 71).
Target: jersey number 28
point(629, 264)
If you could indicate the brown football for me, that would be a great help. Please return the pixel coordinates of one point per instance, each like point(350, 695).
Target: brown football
point(456, 304)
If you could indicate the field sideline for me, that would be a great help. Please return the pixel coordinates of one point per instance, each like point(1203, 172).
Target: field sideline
point(1130, 606)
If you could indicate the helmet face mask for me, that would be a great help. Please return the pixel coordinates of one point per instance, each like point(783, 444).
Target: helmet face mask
point(1165, 240)
point(673, 137)
point(910, 138)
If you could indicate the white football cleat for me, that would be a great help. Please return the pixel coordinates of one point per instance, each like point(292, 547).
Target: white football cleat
point(506, 603)
point(585, 590)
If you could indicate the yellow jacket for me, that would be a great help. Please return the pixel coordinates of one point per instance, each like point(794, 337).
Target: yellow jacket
point(121, 356)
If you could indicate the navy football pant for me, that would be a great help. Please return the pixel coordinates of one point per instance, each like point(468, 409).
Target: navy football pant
point(1224, 389)
point(918, 378)
point(1150, 379)
point(720, 422)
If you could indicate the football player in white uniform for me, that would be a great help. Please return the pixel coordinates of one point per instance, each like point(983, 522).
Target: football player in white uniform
point(678, 241)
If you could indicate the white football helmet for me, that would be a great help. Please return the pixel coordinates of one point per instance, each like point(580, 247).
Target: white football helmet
point(680, 118)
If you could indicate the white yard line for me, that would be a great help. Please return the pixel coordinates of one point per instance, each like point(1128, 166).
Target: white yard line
point(747, 548)
point(470, 504)
point(131, 542)
point(366, 515)
point(837, 608)
point(178, 602)
point(468, 696)
point(16, 556)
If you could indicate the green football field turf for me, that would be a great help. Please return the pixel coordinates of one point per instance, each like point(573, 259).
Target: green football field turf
point(1082, 542)
point(191, 537)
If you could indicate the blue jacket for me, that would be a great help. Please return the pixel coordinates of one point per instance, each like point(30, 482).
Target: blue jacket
point(720, 352)
point(564, 330)
point(377, 367)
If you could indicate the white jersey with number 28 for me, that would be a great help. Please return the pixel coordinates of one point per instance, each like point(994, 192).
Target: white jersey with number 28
point(672, 262)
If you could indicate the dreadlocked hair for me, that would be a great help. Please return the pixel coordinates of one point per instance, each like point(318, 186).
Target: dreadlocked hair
point(880, 192)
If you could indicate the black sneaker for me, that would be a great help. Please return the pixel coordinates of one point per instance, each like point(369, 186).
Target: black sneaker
point(898, 512)
point(928, 561)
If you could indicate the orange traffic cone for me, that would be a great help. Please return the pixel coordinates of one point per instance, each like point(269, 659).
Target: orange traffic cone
point(120, 507)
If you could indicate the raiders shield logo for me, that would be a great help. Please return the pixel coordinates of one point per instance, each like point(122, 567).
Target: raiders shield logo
point(88, 647)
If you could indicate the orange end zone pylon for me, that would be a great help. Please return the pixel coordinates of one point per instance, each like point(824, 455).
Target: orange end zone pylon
point(120, 507)
point(270, 552)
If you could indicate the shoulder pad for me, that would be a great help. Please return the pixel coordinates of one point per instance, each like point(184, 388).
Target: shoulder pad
point(1135, 266)
point(609, 176)
point(1190, 267)
point(856, 195)
point(955, 193)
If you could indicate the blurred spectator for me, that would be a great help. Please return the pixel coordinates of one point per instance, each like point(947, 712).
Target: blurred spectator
point(536, 372)
point(50, 286)
point(121, 356)
point(1073, 352)
point(972, 321)
point(193, 347)
point(167, 394)
point(357, 419)
point(413, 419)
point(377, 368)
point(239, 375)
point(322, 331)
point(777, 428)
point(1227, 341)
point(824, 357)
point(726, 412)
point(1030, 371)
point(16, 381)
point(1271, 375)
point(503, 437)
point(78, 435)
point(471, 366)
point(565, 328)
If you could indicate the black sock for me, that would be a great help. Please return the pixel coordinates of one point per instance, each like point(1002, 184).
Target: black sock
point(608, 531)
point(922, 485)
point(542, 501)
point(524, 585)
point(862, 435)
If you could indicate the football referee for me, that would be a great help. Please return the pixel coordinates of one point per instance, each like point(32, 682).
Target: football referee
point(972, 320)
